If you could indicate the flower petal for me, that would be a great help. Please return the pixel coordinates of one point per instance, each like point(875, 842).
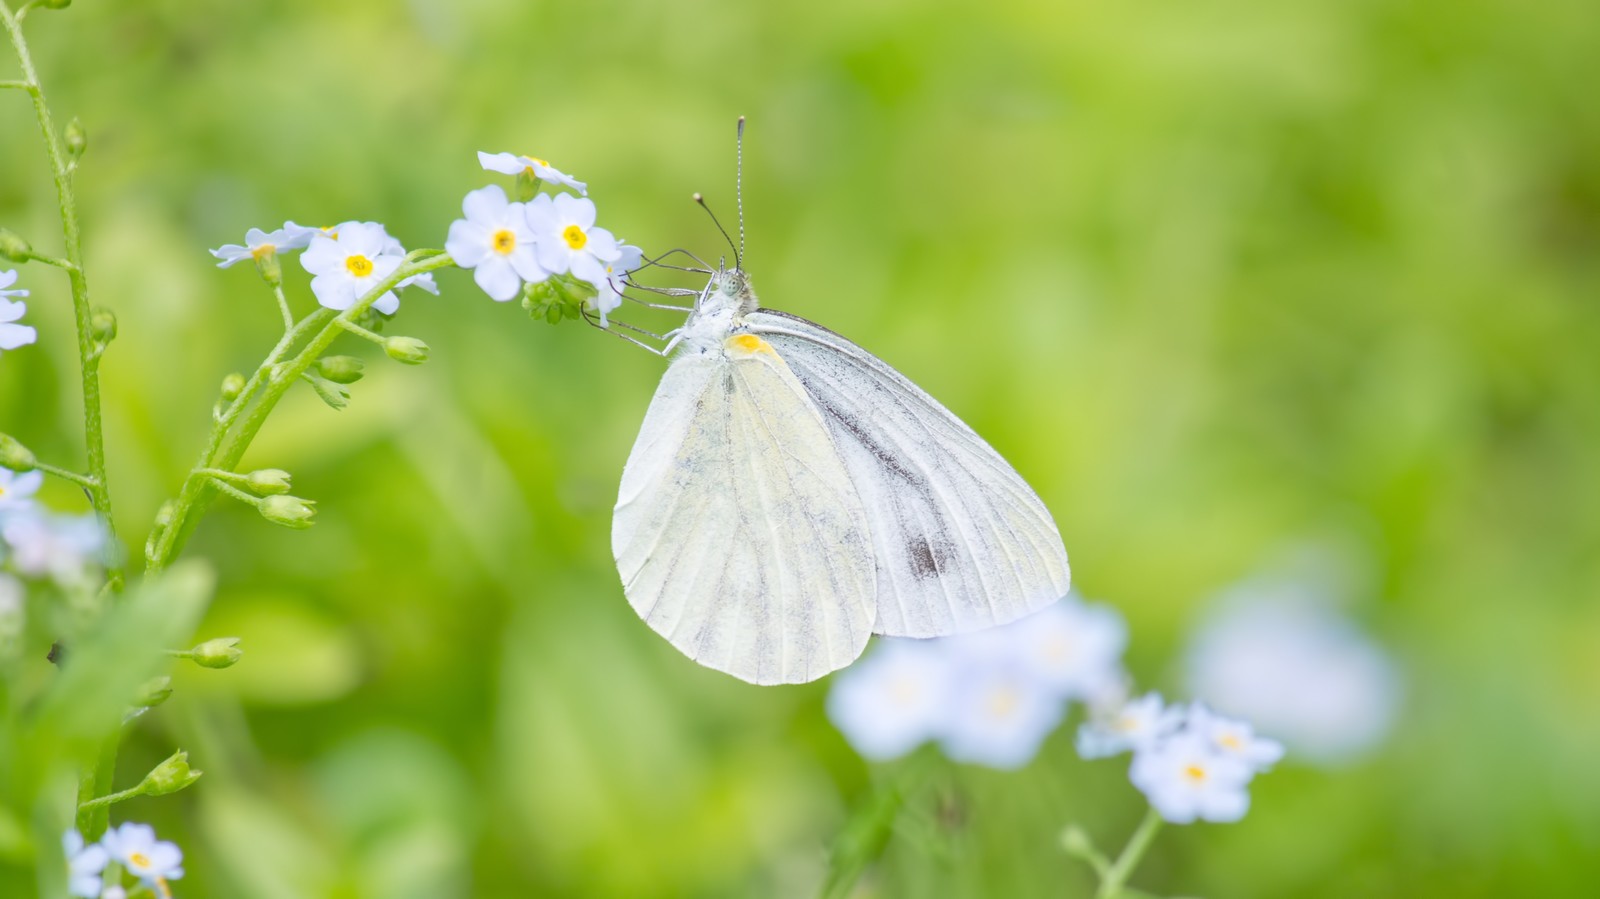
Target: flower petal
point(486, 205)
point(497, 279)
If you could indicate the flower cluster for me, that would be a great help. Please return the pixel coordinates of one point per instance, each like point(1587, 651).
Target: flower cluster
point(345, 261)
point(512, 246)
point(1189, 762)
point(988, 698)
point(134, 849)
point(13, 335)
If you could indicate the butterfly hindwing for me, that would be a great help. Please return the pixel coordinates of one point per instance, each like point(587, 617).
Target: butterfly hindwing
point(960, 540)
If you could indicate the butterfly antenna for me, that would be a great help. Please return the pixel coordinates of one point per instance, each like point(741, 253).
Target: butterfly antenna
point(738, 187)
point(737, 259)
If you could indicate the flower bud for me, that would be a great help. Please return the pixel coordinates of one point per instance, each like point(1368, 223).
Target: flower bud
point(337, 396)
point(219, 653)
point(15, 456)
point(170, 776)
point(13, 247)
point(341, 369)
point(409, 350)
point(77, 138)
point(103, 324)
point(267, 481)
point(289, 511)
point(372, 320)
point(232, 386)
point(1075, 840)
point(153, 692)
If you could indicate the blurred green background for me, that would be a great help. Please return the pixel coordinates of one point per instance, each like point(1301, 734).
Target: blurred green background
point(1213, 275)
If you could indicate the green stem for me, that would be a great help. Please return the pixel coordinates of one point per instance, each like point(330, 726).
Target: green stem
point(235, 492)
point(1115, 879)
point(272, 380)
point(88, 358)
point(283, 307)
point(81, 480)
point(361, 332)
point(104, 801)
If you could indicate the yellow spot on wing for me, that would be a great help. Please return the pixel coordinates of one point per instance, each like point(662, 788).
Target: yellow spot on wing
point(747, 344)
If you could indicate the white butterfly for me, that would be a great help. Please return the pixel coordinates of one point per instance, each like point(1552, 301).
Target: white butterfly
point(790, 494)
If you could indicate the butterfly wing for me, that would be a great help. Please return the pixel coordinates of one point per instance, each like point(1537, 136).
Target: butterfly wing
point(738, 534)
point(960, 540)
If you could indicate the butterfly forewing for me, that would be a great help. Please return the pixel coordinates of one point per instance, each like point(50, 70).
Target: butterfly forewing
point(960, 540)
point(738, 533)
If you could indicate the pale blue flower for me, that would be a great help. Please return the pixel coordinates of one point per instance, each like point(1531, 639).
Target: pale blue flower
point(151, 860)
point(84, 864)
point(892, 701)
point(998, 716)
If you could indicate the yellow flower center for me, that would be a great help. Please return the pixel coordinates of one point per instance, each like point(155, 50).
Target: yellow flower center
point(1002, 703)
point(358, 265)
point(574, 237)
point(139, 859)
point(1231, 741)
point(503, 241)
point(2, 490)
point(537, 161)
point(331, 230)
point(1195, 773)
point(263, 251)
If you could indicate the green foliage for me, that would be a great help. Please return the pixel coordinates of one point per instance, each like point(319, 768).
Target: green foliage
point(1213, 275)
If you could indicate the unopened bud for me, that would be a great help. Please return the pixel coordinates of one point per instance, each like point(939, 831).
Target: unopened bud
point(232, 386)
point(103, 324)
point(170, 776)
point(219, 653)
point(409, 350)
point(153, 692)
point(77, 138)
point(289, 511)
point(268, 481)
point(341, 369)
point(372, 320)
point(1076, 842)
point(13, 247)
point(15, 456)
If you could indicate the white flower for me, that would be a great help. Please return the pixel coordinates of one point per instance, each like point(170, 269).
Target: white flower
point(345, 267)
point(1073, 647)
point(494, 240)
point(1185, 780)
point(84, 864)
point(999, 717)
point(13, 335)
point(114, 891)
point(1294, 667)
point(1233, 739)
point(609, 288)
point(512, 164)
point(1133, 725)
point(17, 490)
point(563, 228)
point(258, 243)
point(152, 861)
point(60, 546)
point(8, 278)
point(890, 702)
